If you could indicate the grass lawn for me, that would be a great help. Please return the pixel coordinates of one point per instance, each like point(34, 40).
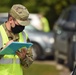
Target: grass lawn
point(41, 69)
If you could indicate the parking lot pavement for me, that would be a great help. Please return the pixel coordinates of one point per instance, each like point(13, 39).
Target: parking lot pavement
point(63, 69)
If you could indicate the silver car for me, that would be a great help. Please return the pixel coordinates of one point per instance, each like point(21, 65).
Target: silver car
point(43, 42)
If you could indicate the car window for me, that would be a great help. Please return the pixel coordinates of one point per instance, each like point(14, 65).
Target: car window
point(72, 16)
point(35, 21)
point(64, 14)
point(30, 28)
point(2, 19)
point(69, 14)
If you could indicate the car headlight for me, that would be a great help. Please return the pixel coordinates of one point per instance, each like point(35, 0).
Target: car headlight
point(51, 40)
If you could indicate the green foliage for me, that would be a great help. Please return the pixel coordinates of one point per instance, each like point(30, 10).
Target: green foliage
point(4, 3)
point(4, 9)
point(31, 5)
point(51, 8)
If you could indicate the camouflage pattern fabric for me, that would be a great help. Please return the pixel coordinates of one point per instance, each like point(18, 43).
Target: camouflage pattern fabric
point(20, 13)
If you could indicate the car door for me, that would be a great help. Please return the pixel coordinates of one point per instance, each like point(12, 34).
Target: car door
point(61, 41)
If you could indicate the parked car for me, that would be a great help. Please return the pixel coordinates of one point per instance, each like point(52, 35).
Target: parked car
point(42, 42)
point(74, 71)
point(65, 37)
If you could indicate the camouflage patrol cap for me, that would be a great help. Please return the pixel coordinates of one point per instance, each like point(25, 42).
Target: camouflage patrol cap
point(20, 13)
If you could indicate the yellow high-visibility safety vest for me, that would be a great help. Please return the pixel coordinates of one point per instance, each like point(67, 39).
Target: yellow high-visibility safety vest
point(45, 24)
point(10, 64)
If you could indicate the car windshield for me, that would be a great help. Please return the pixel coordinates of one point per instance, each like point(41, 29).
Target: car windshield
point(3, 19)
point(30, 28)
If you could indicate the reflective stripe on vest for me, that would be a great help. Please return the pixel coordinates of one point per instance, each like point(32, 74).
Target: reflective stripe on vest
point(1, 44)
point(9, 61)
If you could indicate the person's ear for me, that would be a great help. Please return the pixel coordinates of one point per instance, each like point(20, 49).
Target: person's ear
point(10, 19)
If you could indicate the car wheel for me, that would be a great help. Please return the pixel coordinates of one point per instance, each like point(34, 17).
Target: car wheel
point(36, 49)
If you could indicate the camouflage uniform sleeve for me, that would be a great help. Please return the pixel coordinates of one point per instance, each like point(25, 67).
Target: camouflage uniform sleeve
point(28, 60)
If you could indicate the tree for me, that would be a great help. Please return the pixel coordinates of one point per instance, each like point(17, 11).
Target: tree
point(50, 8)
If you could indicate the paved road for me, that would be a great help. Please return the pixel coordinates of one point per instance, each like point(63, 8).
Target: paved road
point(63, 69)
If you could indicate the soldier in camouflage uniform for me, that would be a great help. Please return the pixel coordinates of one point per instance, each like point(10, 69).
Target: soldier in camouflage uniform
point(17, 20)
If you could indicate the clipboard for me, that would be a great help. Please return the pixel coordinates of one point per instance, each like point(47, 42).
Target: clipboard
point(13, 47)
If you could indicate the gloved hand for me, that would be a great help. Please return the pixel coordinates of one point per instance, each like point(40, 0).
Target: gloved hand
point(21, 54)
